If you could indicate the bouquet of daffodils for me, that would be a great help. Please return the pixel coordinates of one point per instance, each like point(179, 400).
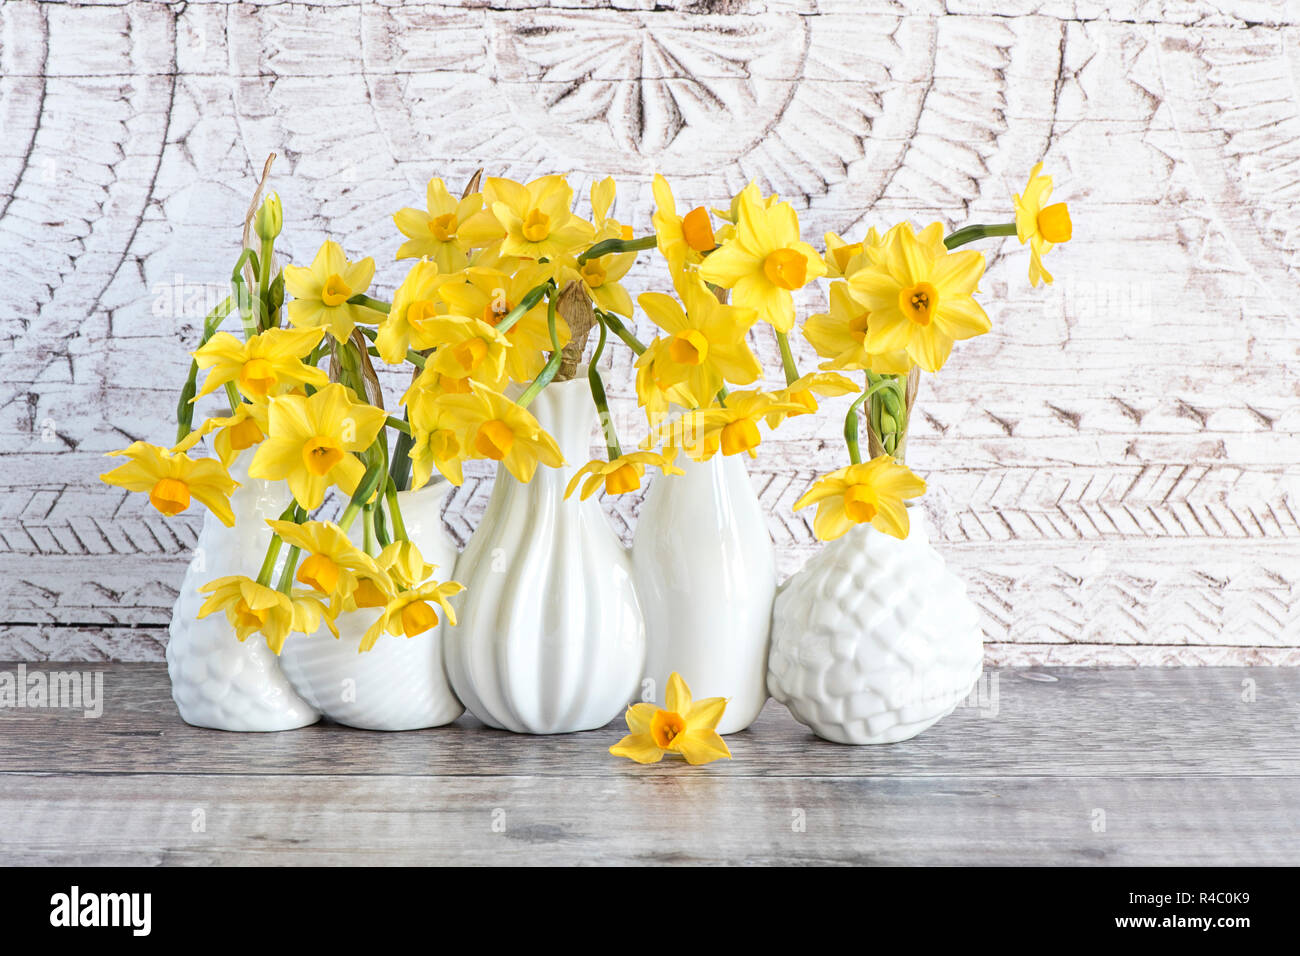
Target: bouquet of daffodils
point(508, 288)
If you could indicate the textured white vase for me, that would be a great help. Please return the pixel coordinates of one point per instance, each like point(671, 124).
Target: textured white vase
point(217, 681)
point(400, 683)
point(551, 638)
point(706, 575)
point(874, 640)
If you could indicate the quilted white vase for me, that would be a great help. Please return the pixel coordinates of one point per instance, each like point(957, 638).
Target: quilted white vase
point(217, 681)
point(400, 683)
point(706, 575)
point(550, 638)
point(874, 640)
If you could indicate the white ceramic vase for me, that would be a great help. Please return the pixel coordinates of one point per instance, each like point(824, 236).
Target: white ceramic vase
point(551, 638)
point(705, 572)
point(874, 640)
point(400, 683)
point(217, 681)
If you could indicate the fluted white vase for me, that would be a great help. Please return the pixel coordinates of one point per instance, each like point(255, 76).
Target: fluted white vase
point(400, 683)
point(218, 681)
point(551, 638)
point(705, 572)
point(874, 639)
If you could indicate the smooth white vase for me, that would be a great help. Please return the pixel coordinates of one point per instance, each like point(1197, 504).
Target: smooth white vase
point(217, 681)
point(705, 571)
point(874, 639)
point(551, 638)
point(400, 683)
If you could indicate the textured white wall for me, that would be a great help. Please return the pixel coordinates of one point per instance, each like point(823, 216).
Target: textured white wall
point(1115, 469)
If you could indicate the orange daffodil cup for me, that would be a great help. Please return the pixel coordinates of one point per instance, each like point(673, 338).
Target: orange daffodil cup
point(506, 288)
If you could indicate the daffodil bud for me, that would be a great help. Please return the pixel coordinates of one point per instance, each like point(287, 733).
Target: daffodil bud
point(270, 218)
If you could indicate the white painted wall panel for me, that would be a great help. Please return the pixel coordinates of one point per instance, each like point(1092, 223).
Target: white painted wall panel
point(1115, 469)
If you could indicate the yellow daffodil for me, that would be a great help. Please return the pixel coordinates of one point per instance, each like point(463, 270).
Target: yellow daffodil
point(920, 298)
point(408, 323)
point(502, 431)
point(602, 200)
point(471, 348)
point(173, 478)
point(683, 727)
point(442, 438)
point(803, 391)
point(253, 608)
point(731, 428)
point(433, 233)
point(411, 613)
point(490, 294)
point(842, 255)
point(267, 364)
point(311, 441)
point(706, 341)
point(683, 240)
point(405, 564)
point(1041, 225)
point(331, 566)
point(321, 292)
point(870, 493)
point(537, 219)
point(234, 433)
point(765, 260)
point(621, 475)
point(840, 337)
point(601, 277)
point(653, 392)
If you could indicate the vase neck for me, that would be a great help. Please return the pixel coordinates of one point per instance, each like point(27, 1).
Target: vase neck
point(565, 410)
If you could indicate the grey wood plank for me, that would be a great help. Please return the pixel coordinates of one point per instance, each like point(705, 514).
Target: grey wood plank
point(627, 816)
point(1061, 766)
point(1063, 722)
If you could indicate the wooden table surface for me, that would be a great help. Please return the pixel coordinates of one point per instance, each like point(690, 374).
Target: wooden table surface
point(1059, 766)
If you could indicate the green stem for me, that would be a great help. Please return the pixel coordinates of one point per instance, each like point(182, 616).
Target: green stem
point(602, 403)
point(290, 566)
point(851, 419)
point(400, 466)
point(264, 283)
point(397, 423)
point(273, 549)
point(971, 233)
point(365, 489)
point(530, 299)
point(394, 512)
point(607, 246)
point(368, 530)
point(553, 364)
point(232, 396)
point(378, 305)
point(618, 328)
point(787, 358)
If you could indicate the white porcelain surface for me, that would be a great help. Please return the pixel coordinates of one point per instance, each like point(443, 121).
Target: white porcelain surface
point(706, 575)
point(874, 640)
point(551, 638)
point(400, 683)
point(217, 681)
